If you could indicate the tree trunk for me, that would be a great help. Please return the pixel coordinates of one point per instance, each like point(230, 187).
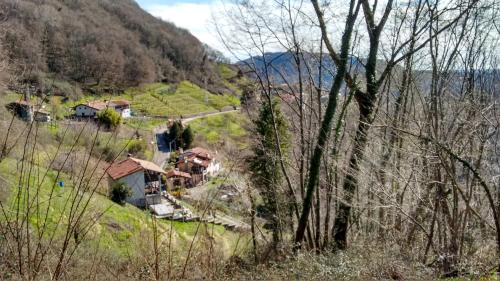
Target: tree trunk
point(341, 223)
point(326, 125)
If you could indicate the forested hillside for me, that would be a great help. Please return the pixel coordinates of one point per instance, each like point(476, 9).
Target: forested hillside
point(112, 43)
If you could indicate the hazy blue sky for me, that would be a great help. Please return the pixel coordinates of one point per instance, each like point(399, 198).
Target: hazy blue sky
point(194, 15)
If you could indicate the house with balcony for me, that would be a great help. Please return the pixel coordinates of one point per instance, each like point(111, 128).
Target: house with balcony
point(200, 163)
point(143, 177)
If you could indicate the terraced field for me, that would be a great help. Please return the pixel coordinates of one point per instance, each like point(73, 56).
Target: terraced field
point(165, 100)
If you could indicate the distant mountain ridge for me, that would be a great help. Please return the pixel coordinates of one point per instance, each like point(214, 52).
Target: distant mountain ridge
point(282, 67)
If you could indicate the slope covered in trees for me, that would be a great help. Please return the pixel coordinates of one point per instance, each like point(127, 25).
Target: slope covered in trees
point(111, 43)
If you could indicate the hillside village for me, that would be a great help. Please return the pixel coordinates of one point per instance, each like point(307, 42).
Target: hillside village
point(151, 185)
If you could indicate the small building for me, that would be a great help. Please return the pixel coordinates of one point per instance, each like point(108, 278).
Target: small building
point(42, 116)
point(178, 178)
point(143, 177)
point(28, 112)
point(122, 107)
point(200, 163)
point(91, 109)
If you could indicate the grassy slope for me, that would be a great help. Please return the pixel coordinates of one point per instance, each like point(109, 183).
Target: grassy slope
point(166, 101)
point(121, 229)
point(228, 74)
point(224, 127)
point(160, 100)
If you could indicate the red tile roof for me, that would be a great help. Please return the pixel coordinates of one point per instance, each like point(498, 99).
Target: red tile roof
point(197, 155)
point(123, 168)
point(201, 152)
point(148, 165)
point(119, 102)
point(195, 160)
point(131, 165)
point(175, 173)
point(100, 105)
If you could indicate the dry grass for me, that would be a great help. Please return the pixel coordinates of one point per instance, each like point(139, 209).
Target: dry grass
point(362, 261)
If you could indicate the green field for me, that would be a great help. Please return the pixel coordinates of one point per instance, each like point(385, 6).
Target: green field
point(158, 100)
point(224, 127)
point(144, 123)
point(165, 100)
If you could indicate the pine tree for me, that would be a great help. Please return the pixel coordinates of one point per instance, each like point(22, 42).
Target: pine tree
point(264, 164)
point(187, 137)
point(175, 133)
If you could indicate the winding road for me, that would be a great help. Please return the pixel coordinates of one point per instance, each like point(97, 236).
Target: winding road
point(163, 144)
point(189, 119)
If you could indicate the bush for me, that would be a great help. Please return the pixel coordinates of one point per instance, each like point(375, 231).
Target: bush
point(137, 147)
point(119, 192)
point(177, 193)
point(110, 153)
point(173, 159)
point(109, 117)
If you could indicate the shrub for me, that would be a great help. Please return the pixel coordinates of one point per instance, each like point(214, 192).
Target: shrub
point(137, 147)
point(177, 193)
point(109, 117)
point(110, 153)
point(119, 192)
point(173, 159)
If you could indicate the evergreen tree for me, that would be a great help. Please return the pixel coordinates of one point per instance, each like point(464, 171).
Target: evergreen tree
point(187, 137)
point(264, 164)
point(175, 133)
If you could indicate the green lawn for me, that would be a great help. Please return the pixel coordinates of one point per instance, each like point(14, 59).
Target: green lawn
point(224, 127)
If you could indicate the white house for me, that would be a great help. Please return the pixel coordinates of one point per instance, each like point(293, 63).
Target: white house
point(121, 106)
point(143, 177)
point(91, 109)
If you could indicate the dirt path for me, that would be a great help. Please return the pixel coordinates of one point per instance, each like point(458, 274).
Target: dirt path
point(189, 119)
